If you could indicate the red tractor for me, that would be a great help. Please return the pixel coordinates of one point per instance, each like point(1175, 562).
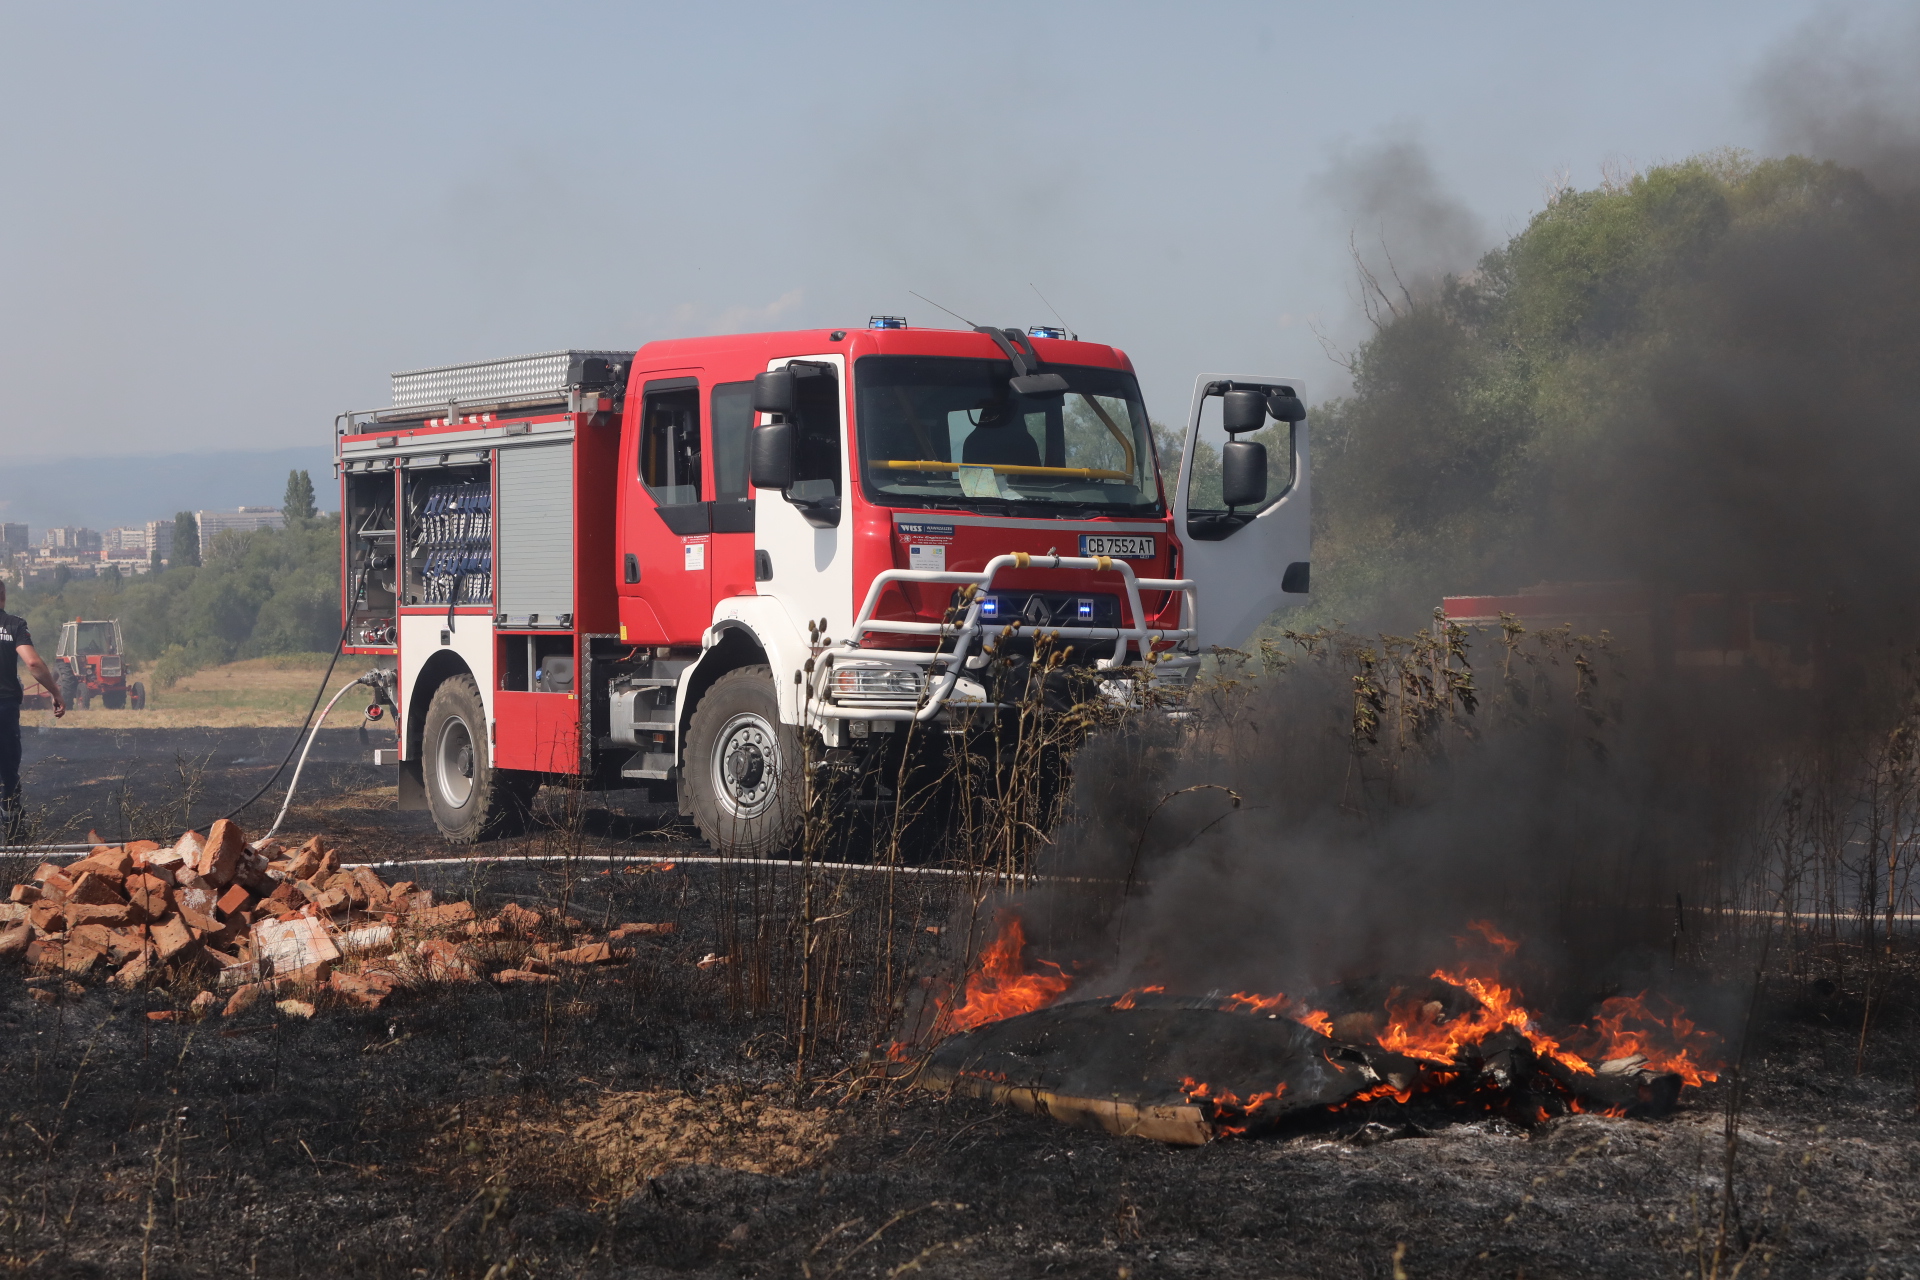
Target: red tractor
point(87, 664)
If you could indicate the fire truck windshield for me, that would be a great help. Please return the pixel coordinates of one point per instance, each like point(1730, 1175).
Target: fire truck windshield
point(939, 431)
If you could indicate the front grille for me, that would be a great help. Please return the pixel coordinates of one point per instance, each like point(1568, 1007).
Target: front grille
point(1050, 609)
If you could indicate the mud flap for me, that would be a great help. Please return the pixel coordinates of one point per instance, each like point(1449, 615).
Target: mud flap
point(413, 787)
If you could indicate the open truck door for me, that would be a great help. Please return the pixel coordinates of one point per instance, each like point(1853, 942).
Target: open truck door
point(1241, 504)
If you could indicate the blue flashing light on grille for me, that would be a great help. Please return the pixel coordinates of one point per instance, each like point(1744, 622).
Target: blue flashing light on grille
point(1084, 610)
point(989, 606)
point(886, 322)
point(1050, 331)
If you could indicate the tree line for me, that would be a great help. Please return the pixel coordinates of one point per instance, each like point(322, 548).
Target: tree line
point(244, 594)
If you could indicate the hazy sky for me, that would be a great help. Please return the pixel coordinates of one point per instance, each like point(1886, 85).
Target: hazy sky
point(222, 224)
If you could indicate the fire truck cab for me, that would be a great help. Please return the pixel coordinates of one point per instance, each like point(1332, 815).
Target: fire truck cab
point(668, 567)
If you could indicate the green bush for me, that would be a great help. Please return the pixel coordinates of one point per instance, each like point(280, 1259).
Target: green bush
point(257, 594)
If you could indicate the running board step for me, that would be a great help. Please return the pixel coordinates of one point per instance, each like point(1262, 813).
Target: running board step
point(655, 766)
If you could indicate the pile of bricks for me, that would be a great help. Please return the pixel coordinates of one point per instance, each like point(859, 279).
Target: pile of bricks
point(271, 922)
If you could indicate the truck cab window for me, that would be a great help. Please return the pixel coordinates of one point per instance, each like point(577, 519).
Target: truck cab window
point(732, 421)
point(670, 444)
point(816, 403)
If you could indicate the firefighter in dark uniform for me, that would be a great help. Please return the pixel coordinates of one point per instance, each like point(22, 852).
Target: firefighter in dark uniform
point(16, 647)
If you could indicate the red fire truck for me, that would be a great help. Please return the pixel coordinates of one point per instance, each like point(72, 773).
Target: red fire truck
point(682, 567)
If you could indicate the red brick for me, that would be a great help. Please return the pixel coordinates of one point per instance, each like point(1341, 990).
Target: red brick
point(150, 894)
point(345, 883)
point(306, 859)
point(49, 916)
point(523, 975)
point(326, 868)
point(362, 989)
point(220, 857)
point(135, 972)
point(332, 902)
point(203, 1004)
point(14, 941)
point(138, 851)
point(443, 962)
point(243, 998)
point(164, 1015)
point(171, 936)
point(114, 862)
point(96, 889)
point(444, 917)
point(236, 898)
point(519, 919)
point(397, 894)
point(116, 916)
point(591, 953)
point(372, 885)
point(192, 893)
point(632, 930)
point(25, 893)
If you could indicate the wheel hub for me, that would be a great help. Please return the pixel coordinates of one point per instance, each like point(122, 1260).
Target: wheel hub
point(746, 765)
point(454, 763)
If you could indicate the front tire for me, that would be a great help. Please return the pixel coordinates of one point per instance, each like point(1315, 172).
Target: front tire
point(470, 799)
point(745, 771)
point(137, 697)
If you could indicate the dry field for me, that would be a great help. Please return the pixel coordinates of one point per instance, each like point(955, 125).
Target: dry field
point(257, 693)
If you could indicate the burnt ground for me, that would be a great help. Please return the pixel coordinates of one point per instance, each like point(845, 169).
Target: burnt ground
point(464, 1130)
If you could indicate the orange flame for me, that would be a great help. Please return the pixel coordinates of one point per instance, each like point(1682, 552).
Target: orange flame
point(1001, 987)
point(1227, 1105)
point(1245, 1002)
point(1128, 1001)
point(1672, 1042)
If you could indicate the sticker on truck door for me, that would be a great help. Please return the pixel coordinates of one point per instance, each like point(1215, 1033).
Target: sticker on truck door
point(1119, 546)
point(926, 545)
point(696, 549)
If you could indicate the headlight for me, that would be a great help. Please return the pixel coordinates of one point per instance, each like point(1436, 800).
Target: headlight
point(892, 684)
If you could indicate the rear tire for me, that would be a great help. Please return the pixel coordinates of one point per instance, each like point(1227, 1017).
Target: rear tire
point(745, 771)
point(470, 799)
point(115, 701)
point(69, 688)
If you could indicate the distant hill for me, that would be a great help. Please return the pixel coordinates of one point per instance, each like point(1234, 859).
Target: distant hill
point(101, 493)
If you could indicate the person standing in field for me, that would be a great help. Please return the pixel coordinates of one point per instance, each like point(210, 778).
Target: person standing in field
point(16, 648)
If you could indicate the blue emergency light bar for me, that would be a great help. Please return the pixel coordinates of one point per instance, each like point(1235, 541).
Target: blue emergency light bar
point(886, 322)
point(989, 606)
point(1050, 331)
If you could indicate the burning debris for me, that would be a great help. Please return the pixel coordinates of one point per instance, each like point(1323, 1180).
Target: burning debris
point(1188, 1069)
point(267, 924)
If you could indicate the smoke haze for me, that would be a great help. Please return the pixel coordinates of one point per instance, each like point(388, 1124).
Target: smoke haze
point(1745, 425)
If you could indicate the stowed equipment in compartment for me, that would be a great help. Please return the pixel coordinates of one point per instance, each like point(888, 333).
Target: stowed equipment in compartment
point(450, 537)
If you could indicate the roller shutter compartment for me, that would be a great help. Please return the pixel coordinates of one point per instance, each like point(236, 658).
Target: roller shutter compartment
point(536, 534)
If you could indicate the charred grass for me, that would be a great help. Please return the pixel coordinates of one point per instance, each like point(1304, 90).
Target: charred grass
point(715, 1107)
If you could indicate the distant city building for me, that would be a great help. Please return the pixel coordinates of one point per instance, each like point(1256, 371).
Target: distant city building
point(125, 547)
point(160, 538)
point(244, 519)
point(70, 540)
point(13, 539)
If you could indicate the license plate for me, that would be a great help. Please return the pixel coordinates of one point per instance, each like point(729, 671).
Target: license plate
point(1120, 546)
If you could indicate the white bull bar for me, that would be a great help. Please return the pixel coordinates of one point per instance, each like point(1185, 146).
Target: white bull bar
point(969, 630)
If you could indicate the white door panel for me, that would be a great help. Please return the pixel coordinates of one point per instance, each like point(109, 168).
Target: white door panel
point(812, 568)
point(1242, 565)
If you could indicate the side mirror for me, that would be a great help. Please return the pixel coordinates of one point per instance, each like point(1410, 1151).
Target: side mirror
point(1243, 472)
point(1243, 411)
point(773, 392)
point(1285, 406)
point(771, 449)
